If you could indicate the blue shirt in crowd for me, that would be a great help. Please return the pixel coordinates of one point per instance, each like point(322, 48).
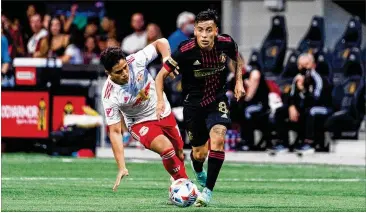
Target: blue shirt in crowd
point(5, 57)
point(176, 38)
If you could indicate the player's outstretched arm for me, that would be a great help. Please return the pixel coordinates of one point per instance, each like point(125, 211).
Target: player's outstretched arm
point(162, 46)
point(170, 66)
point(115, 134)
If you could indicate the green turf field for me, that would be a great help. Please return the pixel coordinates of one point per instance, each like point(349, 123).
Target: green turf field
point(41, 183)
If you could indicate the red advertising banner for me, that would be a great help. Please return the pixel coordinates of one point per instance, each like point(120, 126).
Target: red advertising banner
point(66, 105)
point(24, 114)
point(25, 76)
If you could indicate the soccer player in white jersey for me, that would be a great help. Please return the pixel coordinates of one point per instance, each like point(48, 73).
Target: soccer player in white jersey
point(129, 95)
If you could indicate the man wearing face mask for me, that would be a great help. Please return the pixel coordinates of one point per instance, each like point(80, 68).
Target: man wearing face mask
point(185, 25)
point(309, 105)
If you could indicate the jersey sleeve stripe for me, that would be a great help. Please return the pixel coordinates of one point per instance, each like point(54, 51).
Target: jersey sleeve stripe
point(225, 39)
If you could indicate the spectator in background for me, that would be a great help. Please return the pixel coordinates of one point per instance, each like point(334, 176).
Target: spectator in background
point(309, 105)
point(38, 33)
point(18, 42)
point(254, 108)
point(46, 21)
point(91, 29)
point(185, 25)
point(90, 53)
point(31, 10)
point(72, 53)
point(153, 33)
point(112, 42)
point(68, 22)
point(109, 27)
point(137, 40)
point(6, 24)
point(55, 43)
point(102, 43)
point(6, 80)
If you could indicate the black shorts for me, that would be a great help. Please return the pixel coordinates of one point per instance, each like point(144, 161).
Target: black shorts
point(200, 120)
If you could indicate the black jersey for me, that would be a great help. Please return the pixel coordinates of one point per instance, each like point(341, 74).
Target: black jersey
point(203, 72)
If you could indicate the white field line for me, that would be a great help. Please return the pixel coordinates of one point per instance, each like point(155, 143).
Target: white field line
point(220, 179)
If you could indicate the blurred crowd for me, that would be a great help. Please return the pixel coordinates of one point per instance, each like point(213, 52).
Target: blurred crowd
point(56, 36)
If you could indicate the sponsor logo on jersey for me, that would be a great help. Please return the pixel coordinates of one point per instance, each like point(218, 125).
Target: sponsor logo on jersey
point(207, 71)
point(143, 95)
point(143, 131)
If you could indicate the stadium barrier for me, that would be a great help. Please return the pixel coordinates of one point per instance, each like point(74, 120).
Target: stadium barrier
point(45, 92)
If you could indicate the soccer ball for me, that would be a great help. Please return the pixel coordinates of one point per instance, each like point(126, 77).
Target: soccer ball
point(183, 192)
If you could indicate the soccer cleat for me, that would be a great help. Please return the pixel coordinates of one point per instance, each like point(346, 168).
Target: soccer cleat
point(204, 198)
point(201, 177)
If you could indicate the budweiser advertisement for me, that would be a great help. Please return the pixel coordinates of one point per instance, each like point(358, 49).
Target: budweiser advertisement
point(24, 114)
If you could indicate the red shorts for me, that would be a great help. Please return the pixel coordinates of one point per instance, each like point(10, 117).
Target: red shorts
point(146, 132)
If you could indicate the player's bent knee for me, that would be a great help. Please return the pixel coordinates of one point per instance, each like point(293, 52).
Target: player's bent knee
point(160, 144)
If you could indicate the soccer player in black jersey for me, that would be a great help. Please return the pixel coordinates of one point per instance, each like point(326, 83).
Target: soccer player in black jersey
point(202, 61)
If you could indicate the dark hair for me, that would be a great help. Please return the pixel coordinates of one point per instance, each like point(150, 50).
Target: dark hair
point(111, 56)
point(95, 43)
point(207, 15)
point(50, 36)
point(61, 24)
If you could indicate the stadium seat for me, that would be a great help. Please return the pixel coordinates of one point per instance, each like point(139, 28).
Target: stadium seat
point(255, 61)
point(313, 41)
point(274, 46)
point(288, 74)
point(348, 100)
point(323, 64)
point(351, 38)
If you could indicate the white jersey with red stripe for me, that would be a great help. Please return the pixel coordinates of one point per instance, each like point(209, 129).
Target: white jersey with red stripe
point(137, 99)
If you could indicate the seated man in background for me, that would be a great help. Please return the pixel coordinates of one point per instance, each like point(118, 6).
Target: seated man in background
point(254, 108)
point(309, 105)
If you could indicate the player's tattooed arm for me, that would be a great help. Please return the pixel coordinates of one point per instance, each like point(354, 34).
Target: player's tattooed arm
point(239, 87)
point(238, 68)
